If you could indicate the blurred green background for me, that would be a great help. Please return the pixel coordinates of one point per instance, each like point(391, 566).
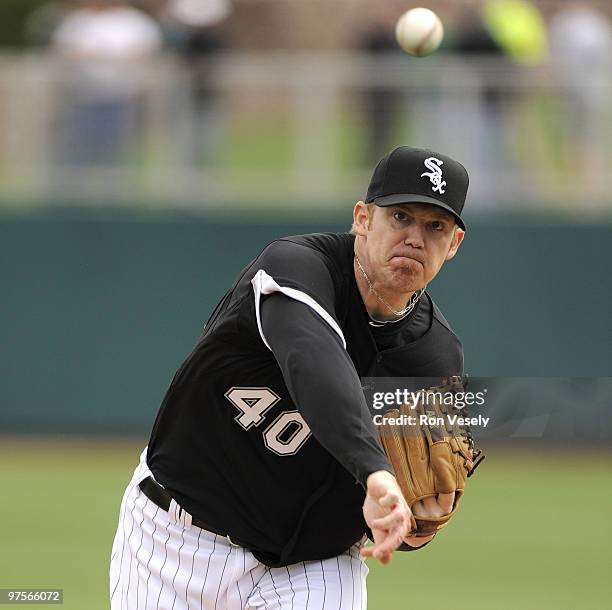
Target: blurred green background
point(533, 532)
point(103, 306)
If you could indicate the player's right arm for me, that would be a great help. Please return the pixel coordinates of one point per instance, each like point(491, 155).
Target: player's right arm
point(323, 383)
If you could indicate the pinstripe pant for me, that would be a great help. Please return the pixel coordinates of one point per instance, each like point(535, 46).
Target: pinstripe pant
point(160, 561)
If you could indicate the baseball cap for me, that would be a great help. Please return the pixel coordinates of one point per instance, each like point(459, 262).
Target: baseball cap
point(419, 175)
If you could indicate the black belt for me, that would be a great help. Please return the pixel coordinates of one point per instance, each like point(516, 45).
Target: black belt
point(159, 496)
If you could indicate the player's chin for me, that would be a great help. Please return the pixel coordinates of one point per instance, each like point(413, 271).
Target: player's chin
point(408, 279)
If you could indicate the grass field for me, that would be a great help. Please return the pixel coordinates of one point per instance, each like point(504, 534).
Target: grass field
point(534, 531)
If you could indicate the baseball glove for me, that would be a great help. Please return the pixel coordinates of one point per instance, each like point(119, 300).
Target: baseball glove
point(430, 453)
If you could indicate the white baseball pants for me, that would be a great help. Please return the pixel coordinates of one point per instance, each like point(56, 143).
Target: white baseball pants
point(160, 561)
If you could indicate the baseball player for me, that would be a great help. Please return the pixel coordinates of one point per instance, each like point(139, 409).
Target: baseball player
point(264, 474)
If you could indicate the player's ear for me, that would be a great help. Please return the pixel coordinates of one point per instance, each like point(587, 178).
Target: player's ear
point(361, 219)
point(458, 236)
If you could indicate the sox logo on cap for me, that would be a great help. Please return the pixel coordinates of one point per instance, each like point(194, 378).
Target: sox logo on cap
point(435, 174)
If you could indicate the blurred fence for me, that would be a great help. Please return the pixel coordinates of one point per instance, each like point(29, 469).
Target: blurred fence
point(288, 129)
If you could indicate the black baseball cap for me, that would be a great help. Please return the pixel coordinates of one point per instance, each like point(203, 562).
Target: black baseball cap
point(418, 175)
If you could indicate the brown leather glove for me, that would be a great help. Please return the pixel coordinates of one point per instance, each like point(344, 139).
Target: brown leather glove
point(430, 457)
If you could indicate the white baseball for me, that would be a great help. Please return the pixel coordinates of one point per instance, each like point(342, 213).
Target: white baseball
point(419, 31)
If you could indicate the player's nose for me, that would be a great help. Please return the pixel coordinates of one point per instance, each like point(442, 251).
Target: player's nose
point(414, 235)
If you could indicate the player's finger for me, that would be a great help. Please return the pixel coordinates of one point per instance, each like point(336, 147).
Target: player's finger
point(386, 550)
point(392, 520)
point(417, 541)
point(385, 559)
point(412, 524)
point(428, 507)
point(397, 519)
point(433, 508)
point(387, 545)
point(446, 502)
point(382, 556)
point(389, 500)
point(418, 509)
point(369, 552)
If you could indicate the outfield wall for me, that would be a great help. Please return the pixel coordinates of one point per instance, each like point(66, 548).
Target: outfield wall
point(99, 308)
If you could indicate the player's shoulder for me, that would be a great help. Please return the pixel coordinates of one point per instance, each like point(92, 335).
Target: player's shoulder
point(446, 346)
point(439, 318)
point(329, 243)
point(304, 263)
point(330, 249)
point(332, 245)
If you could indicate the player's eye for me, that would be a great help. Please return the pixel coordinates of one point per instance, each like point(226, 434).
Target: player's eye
point(401, 216)
point(437, 225)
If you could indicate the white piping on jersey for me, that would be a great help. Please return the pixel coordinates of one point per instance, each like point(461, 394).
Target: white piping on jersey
point(264, 284)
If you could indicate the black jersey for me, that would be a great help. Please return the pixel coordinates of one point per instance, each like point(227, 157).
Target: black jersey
point(264, 432)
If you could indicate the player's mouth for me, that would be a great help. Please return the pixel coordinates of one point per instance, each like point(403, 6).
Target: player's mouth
point(405, 260)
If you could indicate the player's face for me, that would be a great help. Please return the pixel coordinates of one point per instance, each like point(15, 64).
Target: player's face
point(405, 246)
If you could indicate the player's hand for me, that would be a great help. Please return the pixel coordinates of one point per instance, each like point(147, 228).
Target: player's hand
point(387, 515)
point(430, 507)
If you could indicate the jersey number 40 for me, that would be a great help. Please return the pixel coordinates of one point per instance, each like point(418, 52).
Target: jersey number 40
point(286, 435)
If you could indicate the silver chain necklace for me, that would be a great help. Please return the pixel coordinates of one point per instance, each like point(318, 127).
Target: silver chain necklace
point(403, 312)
